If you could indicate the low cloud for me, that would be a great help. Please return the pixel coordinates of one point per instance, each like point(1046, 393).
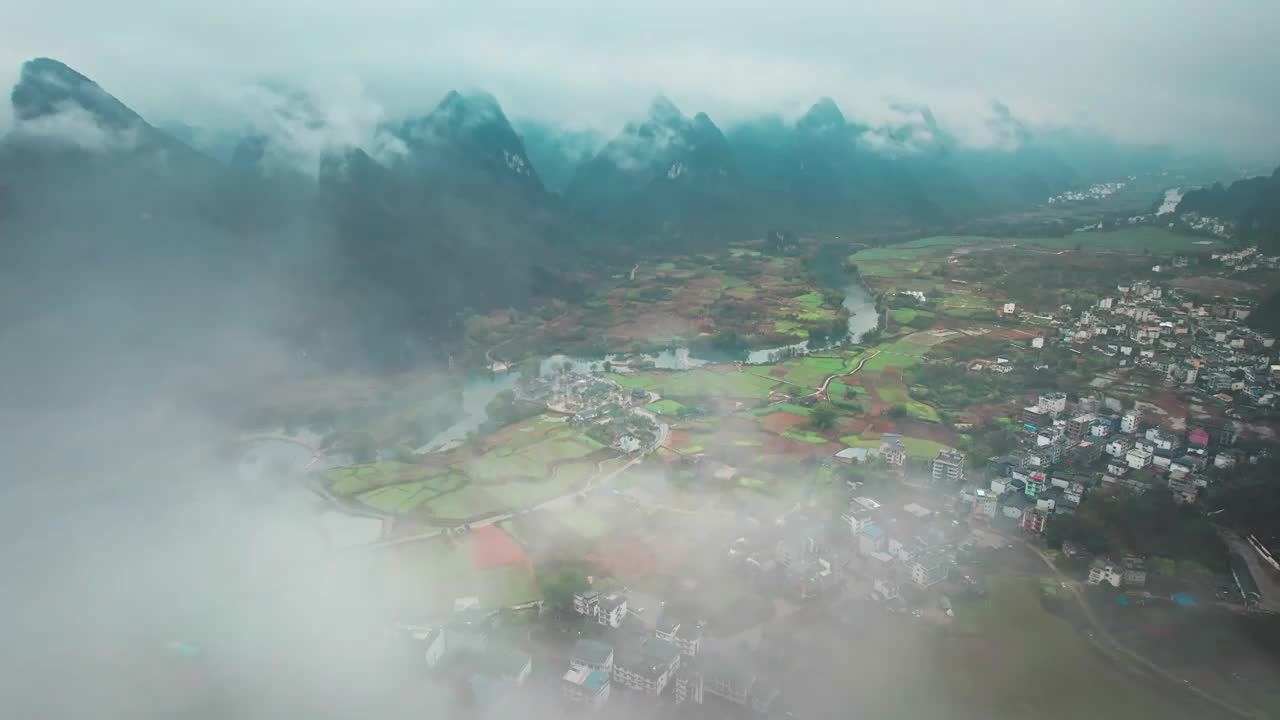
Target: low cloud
point(1142, 71)
point(301, 125)
point(76, 127)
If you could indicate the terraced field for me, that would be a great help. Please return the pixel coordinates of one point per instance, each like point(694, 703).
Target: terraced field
point(523, 464)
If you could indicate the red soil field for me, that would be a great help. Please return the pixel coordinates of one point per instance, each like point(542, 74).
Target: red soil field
point(491, 547)
point(780, 422)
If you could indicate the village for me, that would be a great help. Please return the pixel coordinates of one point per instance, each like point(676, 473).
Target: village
point(684, 523)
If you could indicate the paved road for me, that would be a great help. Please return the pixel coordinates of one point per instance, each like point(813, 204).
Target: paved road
point(1107, 642)
point(822, 391)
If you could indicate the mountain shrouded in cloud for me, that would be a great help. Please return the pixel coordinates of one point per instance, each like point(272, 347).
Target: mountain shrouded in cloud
point(384, 231)
point(468, 139)
point(668, 167)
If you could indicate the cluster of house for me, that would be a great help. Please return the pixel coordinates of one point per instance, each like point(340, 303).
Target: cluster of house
point(487, 667)
point(594, 402)
point(1131, 572)
point(648, 660)
point(945, 467)
point(1203, 347)
point(1068, 451)
point(1096, 191)
point(907, 544)
point(791, 557)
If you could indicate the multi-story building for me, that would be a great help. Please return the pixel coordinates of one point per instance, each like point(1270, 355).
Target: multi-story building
point(929, 568)
point(1079, 425)
point(893, 450)
point(1161, 440)
point(647, 666)
point(948, 466)
point(1054, 403)
point(1034, 520)
point(1033, 418)
point(592, 655)
point(684, 633)
point(607, 609)
point(1183, 486)
point(1035, 483)
point(858, 518)
point(726, 678)
point(1138, 458)
point(585, 687)
point(1129, 423)
point(1117, 447)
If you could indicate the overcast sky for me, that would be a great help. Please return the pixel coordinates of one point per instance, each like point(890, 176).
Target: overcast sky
point(1160, 70)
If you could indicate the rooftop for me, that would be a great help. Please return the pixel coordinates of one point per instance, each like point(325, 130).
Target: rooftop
point(591, 651)
point(593, 680)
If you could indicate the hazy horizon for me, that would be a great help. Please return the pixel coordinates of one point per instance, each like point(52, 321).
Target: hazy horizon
point(566, 66)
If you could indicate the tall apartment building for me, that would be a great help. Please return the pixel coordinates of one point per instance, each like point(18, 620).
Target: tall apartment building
point(948, 466)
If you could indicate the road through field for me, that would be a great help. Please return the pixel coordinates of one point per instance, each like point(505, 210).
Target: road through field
point(822, 391)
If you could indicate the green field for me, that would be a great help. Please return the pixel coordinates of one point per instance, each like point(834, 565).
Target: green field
point(811, 370)
point(700, 383)
point(517, 472)
point(810, 299)
point(461, 504)
point(404, 498)
point(534, 460)
point(895, 394)
point(858, 441)
point(666, 407)
point(783, 407)
point(584, 522)
point(790, 327)
point(921, 448)
point(1130, 240)
point(804, 436)
point(355, 479)
point(920, 411)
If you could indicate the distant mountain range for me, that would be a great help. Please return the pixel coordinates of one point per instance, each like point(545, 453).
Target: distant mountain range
point(388, 246)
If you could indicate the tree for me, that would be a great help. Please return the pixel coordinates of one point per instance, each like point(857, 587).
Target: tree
point(559, 587)
point(823, 417)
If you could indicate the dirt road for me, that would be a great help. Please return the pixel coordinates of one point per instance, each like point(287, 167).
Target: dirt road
point(1105, 641)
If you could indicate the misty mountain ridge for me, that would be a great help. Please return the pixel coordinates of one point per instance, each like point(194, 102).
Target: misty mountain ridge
point(392, 238)
point(469, 136)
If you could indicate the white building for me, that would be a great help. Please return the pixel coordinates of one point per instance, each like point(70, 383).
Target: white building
point(1053, 403)
point(948, 466)
point(1138, 458)
point(647, 668)
point(1117, 447)
point(610, 609)
point(1103, 570)
point(1129, 423)
point(586, 687)
point(1160, 439)
point(929, 568)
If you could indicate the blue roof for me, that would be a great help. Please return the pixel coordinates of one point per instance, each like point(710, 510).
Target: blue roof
point(596, 680)
point(873, 531)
